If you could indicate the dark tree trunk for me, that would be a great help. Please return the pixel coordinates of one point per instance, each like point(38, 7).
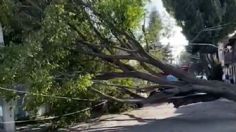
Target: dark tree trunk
point(133, 49)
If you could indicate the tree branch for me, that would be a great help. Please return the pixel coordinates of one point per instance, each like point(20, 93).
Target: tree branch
point(193, 99)
point(149, 69)
point(97, 53)
point(135, 74)
point(124, 89)
point(154, 87)
point(116, 99)
point(190, 82)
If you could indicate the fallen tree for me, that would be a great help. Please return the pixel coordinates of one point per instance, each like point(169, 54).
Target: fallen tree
point(125, 42)
point(70, 44)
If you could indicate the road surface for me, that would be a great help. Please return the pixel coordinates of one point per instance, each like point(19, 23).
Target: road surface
point(216, 116)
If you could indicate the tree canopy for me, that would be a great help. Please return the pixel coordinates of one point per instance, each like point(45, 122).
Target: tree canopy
point(91, 51)
point(41, 51)
point(203, 21)
point(55, 48)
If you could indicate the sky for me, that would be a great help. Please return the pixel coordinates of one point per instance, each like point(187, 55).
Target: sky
point(177, 40)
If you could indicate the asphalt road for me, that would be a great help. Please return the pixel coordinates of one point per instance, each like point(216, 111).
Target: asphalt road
point(216, 116)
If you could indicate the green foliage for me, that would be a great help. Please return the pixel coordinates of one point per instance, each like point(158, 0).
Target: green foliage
point(125, 13)
point(6, 11)
point(152, 33)
point(154, 27)
point(196, 15)
point(42, 53)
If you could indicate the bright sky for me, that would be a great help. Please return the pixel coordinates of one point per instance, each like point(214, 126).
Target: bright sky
point(177, 40)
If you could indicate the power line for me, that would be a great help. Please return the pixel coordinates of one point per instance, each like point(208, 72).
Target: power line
point(59, 116)
point(45, 95)
point(213, 28)
point(204, 44)
point(53, 96)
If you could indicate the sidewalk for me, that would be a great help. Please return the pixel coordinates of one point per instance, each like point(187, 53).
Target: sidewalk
point(216, 116)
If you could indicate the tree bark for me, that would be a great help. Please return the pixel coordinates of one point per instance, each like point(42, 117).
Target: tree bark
point(127, 42)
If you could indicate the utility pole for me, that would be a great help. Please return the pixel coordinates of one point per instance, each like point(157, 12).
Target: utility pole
point(7, 114)
point(1, 36)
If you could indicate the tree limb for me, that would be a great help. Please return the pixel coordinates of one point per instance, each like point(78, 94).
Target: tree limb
point(149, 69)
point(125, 89)
point(193, 99)
point(116, 99)
point(154, 87)
point(134, 74)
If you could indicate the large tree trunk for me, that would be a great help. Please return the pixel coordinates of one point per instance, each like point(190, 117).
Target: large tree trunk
point(167, 91)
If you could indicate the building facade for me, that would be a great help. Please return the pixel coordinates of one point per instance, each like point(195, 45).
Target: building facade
point(227, 58)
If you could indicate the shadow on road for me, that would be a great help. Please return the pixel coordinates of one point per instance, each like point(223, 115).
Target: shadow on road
point(216, 116)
